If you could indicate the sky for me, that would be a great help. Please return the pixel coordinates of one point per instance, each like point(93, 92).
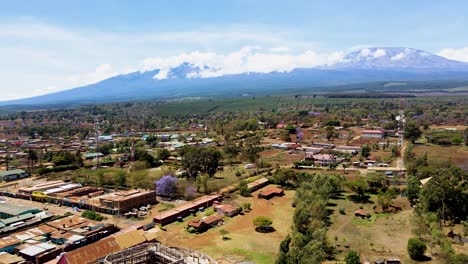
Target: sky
point(52, 45)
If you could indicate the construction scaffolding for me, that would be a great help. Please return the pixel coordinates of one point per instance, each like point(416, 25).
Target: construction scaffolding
point(146, 254)
point(155, 253)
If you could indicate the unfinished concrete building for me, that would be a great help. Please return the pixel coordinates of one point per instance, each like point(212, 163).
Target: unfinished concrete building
point(155, 253)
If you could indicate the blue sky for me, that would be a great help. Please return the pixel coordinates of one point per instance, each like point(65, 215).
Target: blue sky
point(47, 46)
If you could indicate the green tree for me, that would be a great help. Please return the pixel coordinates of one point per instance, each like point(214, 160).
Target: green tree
point(353, 258)
point(365, 151)
point(413, 188)
point(262, 221)
point(412, 131)
point(416, 248)
point(358, 186)
point(224, 233)
point(243, 189)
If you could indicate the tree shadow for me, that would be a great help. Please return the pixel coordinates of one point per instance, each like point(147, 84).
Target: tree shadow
point(331, 204)
point(226, 238)
point(360, 199)
point(265, 229)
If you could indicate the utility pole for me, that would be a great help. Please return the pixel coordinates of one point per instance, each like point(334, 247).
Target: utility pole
point(96, 127)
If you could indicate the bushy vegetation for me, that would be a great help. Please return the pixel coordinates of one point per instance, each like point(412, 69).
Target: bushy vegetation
point(92, 215)
point(307, 242)
point(416, 248)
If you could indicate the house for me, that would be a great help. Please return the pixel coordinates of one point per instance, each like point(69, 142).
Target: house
point(13, 175)
point(361, 213)
point(227, 209)
point(325, 159)
point(92, 155)
point(378, 134)
point(271, 192)
point(205, 223)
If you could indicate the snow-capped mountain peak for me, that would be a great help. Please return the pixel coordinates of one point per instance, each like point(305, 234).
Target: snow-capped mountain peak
point(396, 58)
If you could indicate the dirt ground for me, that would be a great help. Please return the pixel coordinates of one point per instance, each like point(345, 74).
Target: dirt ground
point(244, 244)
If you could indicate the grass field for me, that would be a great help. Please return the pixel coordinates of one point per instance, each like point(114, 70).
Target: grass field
point(456, 154)
point(382, 235)
point(244, 244)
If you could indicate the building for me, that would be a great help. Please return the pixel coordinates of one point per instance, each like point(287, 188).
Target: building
point(205, 223)
point(13, 175)
point(185, 209)
point(8, 244)
point(257, 184)
point(91, 230)
point(8, 210)
point(324, 159)
point(92, 155)
point(348, 149)
point(378, 134)
point(227, 209)
point(270, 193)
point(96, 252)
point(6, 258)
point(125, 201)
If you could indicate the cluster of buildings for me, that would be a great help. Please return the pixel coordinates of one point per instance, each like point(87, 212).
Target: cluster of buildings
point(85, 197)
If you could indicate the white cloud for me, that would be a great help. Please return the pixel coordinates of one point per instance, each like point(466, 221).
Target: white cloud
point(102, 72)
point(280, 49)
point(455, 54)
point(399, 56)
point(247, 59)
point(379, 53)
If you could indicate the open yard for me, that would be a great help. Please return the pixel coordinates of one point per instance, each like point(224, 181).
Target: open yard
point(244, 244)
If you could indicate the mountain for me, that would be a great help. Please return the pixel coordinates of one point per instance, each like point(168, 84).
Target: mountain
point(361, 66)
point(398, 59)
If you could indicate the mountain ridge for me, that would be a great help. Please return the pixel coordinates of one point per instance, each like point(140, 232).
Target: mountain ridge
point(360, 66)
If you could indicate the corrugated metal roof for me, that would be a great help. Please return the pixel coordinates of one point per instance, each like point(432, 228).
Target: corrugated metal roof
point(37, 249)
point(11, 172)
point(17, 218)
point(13, 209)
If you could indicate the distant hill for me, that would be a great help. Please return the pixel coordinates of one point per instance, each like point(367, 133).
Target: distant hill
point(361, 66)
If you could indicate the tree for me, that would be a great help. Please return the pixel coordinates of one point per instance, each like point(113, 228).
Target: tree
point(166, 186)
point(365, 151)
point(385, 199)
point(359, 187)
point(353, 258)
point(243, 189)
point(413, 188)
point(262, 221)
point(163, 154)
point(205, 160)
point(330, 132)
point(412, 132)
point(416, 248)
point(252, 148)
point(224, 233)
point(247, 206)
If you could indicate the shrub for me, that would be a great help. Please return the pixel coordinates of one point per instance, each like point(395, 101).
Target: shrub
point(353, 258)
point(416, 248)
point(342, 211)
point(92, 215)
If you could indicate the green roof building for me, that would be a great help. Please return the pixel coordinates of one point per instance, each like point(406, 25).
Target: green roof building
point(12, 175)
point(8, 210)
